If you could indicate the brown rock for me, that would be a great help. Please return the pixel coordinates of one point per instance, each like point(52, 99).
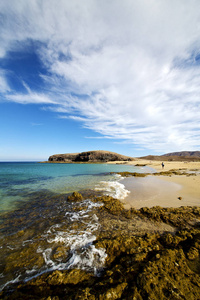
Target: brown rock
point(89, 156)
point(114, 293)
point(75, 197)
point(74, 276)
point(193, 253)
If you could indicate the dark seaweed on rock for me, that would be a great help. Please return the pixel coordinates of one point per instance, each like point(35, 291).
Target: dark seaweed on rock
point(140, 264)
point(75, 197)
point(129, 174)
point(162, 173)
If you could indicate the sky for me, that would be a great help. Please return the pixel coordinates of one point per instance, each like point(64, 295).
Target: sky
point(122, 76)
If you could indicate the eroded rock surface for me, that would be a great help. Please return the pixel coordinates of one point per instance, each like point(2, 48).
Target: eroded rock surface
point(152, 253)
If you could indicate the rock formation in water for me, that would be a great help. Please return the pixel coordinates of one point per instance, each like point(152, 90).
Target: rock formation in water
point(89, 156)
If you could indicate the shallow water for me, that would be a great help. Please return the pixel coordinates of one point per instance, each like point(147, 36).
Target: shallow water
point(40, 230)
point(151, 191)
point(38, 244)
point(19, 180)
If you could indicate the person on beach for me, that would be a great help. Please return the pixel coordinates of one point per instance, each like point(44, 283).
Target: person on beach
point(163, 165)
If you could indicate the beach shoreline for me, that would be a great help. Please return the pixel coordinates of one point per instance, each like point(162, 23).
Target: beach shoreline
point(167, 190)
point(92, 246)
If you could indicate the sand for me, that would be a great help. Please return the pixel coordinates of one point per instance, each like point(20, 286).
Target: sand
point(164, 191)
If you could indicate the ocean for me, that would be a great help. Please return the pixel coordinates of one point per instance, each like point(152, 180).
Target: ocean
point(40, 230)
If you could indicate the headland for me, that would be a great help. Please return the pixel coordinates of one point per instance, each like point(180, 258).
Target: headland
point(89, 156)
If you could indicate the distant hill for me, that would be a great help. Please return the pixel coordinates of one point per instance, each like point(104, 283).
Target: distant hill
point(89, 156)
point(183, 155)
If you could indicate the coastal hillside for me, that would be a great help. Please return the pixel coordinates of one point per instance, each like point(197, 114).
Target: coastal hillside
point(89, 156)
point(191, 154)
point(176, 156)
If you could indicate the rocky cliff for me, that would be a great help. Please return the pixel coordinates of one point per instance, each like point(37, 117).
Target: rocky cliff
point(89, 156)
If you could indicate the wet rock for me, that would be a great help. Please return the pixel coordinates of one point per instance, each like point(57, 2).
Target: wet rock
point(26, 258)
point(113, 206)
point(20, 233)
point(114, 292)
point(157, 256)
point(169, 278)
point(162, 173)
point(171, 240)
point(60, 252)
point(178, 217)
point(85, 294)
point(74, 277)
point(140, 264)
point(134, 174)
point(193, 253)
point(75, 197)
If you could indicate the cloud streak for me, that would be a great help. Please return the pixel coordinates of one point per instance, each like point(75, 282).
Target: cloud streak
point(127, 70)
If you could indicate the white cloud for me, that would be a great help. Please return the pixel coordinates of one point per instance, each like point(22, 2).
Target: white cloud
point(126, 69)
point(4, 87)
point(30, 98)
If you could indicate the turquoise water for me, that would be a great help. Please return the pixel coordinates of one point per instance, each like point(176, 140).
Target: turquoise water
point(19, 180)
point(36, 220)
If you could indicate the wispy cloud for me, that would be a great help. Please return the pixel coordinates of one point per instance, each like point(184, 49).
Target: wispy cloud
point(129, 70)
point(30, 98)
point(4, 86)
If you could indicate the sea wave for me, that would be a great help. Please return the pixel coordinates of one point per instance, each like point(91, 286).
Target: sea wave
point(68, 245)
point(78, 242)
point(113, 188)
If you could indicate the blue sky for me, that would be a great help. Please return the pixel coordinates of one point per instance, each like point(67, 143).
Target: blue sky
point(88, 75)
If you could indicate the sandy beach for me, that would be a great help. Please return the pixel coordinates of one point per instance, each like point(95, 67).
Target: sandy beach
point(164, 191)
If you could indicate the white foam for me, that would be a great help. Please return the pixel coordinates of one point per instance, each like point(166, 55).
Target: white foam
point(11, 248)
point(90, 258)
point(27, 242)
point(10, 282)
point(84, 255)
point(78, 242)
point(32, 271)
point(80, 250)
point(113, 188)
point(39, 250)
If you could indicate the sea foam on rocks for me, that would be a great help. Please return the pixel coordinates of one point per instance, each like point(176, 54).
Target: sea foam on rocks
point(114, 189)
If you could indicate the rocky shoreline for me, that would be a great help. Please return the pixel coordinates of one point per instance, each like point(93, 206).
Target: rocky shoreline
point(152, 253)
